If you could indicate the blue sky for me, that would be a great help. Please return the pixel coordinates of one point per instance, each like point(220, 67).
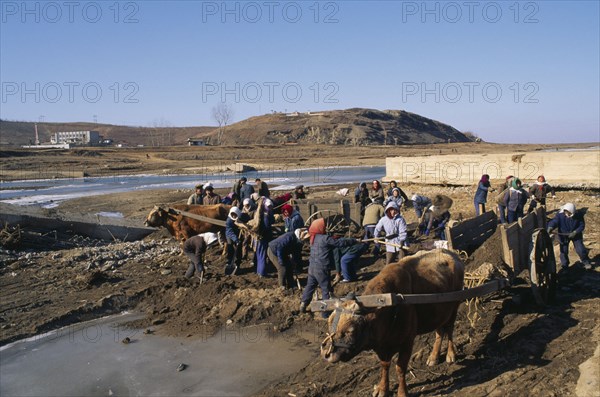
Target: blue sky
point(513, 72)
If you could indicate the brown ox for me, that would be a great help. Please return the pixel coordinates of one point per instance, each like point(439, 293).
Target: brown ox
point(391, 330)
point(183, 227)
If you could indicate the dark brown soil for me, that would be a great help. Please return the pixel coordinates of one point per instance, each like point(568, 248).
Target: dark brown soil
point(515, 348)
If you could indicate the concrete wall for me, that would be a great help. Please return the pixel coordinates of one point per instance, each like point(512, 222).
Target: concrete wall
point(574, 168)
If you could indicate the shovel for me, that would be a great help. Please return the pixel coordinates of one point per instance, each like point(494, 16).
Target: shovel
point(377, 239)
point(298, 282)
point(403, 247)
point(230, 270)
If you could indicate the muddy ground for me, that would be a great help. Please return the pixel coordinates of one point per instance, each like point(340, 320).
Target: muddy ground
point(514, 348)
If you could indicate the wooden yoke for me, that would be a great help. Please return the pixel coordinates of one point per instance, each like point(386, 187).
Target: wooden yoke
point(217, 222)
point(383, 300)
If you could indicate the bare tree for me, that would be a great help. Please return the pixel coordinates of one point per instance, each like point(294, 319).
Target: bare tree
point(160, 133)
point(356, 136)
point(222, 114)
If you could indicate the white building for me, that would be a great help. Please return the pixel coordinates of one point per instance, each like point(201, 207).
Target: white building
point(76, 137)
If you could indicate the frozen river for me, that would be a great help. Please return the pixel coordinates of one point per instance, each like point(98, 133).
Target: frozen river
point(50, 192)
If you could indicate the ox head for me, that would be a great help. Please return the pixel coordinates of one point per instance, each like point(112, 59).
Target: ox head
point(347, 334)
point(157, 217)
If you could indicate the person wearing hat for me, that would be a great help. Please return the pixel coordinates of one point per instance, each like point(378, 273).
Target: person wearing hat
point(231, 199)
point(320, 261)
point(196, 198)
point(420, 204)
point(538, 192)
point(210, 197)
point(232, 233)
point(194, 248)
point(265, 236)
point(245, 189)
point(248, 210)
point(376, 195)
point(262, 188)
point(438, 218)
point(500, 198)
point(515, 200)
point(345, 259)
point(570, 226)
point(483, 187)
point(394, 185)
point(395, 196)
point(248, 207)
point(393, 224)
point(361, 195)
point(299, 193)
point(373, 213)
point(291, 218)
point(285, 252)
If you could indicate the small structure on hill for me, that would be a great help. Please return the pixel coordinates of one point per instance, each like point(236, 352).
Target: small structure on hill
point(196, 142)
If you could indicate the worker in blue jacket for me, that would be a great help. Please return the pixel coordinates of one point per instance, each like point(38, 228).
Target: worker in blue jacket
point(232, 233)
point(320, 261)
point(285, 252)
point(345, 258)
point(570, 226)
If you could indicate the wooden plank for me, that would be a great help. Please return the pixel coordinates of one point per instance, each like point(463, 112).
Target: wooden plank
point(378, 300)
point(355, 213)
point(345, 206)
point(455, 296)
point(473, 237)
point(513, 241)
point(542, 221)
point(304, 209)
point(213, 221)
point(505, 246)
point(384, 300)
point(473, 226)
point(510, 245)
point(471, 233)
point(527, 227)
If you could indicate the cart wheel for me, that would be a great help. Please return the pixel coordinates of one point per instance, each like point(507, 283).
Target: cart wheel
point(542, 267)
point(335, 222)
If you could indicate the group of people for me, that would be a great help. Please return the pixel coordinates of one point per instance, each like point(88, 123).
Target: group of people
point(512, 201)
point(252, 225)
point(204, 194)
point(513, 198)
point(382, 220)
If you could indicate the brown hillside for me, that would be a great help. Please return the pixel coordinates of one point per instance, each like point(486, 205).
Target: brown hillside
point(351, 126)
point(339, 127)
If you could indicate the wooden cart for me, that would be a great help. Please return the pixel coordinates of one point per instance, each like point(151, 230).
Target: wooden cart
point(527, 245)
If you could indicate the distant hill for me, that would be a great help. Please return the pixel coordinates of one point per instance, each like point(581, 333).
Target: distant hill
point(351, 127)
point(23, 133)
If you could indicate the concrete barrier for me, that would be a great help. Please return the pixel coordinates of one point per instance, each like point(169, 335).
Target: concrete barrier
point(567, 168)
